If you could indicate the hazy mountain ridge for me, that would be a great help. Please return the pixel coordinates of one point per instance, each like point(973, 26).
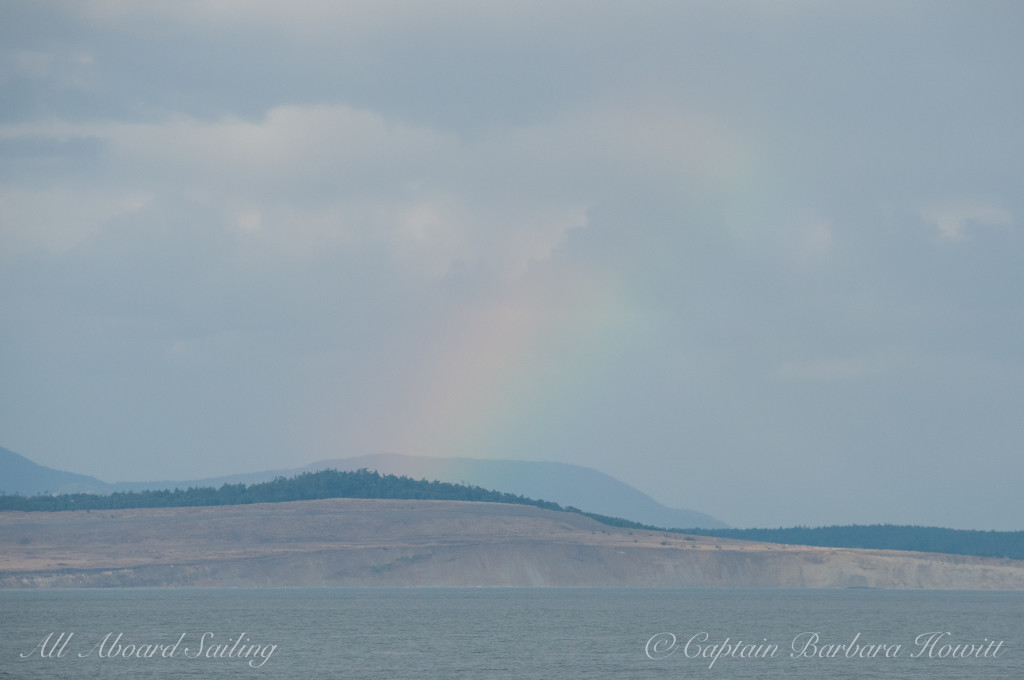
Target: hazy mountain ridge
point(370, 484)
point(562, 483)
point(19, 475)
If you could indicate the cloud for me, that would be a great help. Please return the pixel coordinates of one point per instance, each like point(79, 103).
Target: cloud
point(346, 26)
point(306, 177)
point(441, 237)
point(954, 220)
point(653, 236)
point(74, 68)
point(56, 219)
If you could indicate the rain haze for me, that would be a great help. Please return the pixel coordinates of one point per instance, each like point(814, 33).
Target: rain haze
point(758, 259)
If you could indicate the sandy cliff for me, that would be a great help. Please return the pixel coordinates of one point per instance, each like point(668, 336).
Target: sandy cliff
point(348, 542)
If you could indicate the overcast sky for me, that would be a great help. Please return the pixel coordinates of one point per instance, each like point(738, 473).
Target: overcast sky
point(762, 260)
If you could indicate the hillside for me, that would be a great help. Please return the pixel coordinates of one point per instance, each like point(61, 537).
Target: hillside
point(567, 485)
point(888, 537)
point(562, 483)
point(355, 542)
point(19, 475)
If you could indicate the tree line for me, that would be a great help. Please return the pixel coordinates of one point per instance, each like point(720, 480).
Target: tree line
point(887, 537)
point(304, 487)
point(371, 484)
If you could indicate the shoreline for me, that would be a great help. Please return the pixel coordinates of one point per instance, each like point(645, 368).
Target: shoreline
point(365, 543)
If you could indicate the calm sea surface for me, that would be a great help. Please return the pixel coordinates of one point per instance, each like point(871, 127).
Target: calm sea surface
point(473, 634)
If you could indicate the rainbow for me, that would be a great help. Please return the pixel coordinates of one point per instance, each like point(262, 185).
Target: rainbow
point(507, 367)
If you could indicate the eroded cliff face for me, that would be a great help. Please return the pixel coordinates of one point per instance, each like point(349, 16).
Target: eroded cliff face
point(347, 542)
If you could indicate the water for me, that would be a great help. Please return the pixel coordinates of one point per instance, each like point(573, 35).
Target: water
point(475, 634)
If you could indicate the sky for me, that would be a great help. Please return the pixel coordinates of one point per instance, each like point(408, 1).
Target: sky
point(757, 259)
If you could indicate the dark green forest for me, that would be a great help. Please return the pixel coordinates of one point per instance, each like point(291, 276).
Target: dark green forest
point(887, 537)
point(305, 487)
point(370, 484)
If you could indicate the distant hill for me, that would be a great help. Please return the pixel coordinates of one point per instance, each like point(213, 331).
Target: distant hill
point(324, 480)
point(561, 483)
point(19, 475)
point(371, 542)
point(888, 537)
point(366, 484)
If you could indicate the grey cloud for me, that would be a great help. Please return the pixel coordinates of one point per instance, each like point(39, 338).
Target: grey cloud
point(751, 259)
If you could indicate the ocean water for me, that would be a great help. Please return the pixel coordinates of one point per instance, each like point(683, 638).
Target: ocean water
point(475, 634)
